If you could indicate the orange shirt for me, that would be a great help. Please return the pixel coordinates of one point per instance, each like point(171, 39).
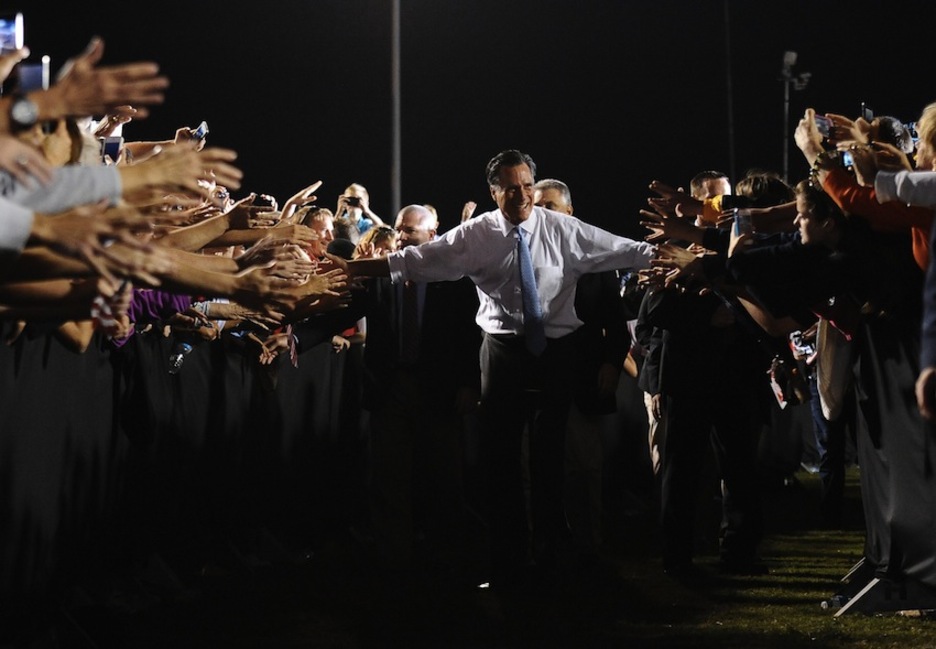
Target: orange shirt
point(892, 216)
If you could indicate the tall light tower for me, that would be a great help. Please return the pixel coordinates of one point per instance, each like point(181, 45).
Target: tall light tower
point(798, 81)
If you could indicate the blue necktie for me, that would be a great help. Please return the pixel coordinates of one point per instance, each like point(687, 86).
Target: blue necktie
point(532, 309)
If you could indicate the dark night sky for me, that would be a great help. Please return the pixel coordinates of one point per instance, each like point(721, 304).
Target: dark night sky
point(604, 94)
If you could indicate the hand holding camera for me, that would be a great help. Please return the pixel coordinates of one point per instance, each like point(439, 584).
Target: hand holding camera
point(809, 135)
point(193, 136)
point(346, 204)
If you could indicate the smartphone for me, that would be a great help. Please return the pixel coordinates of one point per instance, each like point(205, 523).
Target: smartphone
point(33, 76)
point(824, 125)
point(111, 146)
point(742, 222)
point(11, 32)
point(845, 157)
point(200, 132)
point(866, 113)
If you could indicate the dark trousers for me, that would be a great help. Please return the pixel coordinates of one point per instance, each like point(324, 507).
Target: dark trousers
point(732, 427)
point(830, 446)
point(519, 390)
point(416, 472)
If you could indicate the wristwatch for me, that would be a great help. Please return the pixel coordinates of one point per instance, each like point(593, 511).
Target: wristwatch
point(23, 113)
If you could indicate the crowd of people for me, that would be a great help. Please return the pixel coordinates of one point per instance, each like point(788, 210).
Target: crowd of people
point(481, 359)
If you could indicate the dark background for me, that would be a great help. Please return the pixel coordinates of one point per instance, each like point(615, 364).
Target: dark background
point(606, 95)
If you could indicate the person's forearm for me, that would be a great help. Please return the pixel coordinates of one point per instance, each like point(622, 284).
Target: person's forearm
point(47, 102)
point(207, 263)
point(46, 313)
point(197, 280)
point(195, 237)
point(62, 292)
point(378, 222)
point(246, 237)
point(377, 267)
point(37, 263)
point(70, 186)
point(913, 187)
point(778, 218)
point(143, 149)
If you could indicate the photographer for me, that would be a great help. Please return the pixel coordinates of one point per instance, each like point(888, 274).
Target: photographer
point(354, 204)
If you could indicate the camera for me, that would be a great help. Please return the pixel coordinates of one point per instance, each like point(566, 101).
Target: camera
point(200, 132)
point(33, 76)
point(742, 222)
point(800, 346)
point(11, 32)
point(353, 201)
point(823, 125)
point(866, 113)
point(846, 159)
point(110, 147)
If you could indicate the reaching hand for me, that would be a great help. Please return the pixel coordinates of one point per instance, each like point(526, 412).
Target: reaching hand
point(116, 117)
point(678, 261)
point(664, 227)
point(181, 168)
point(9, 59)
point(25, 163)
point(807, 136)
point(299, 199)
point(890, 158)
point(864, 164)
point(844, 129)
point(468, 210)
point(86, 230)
point(670, 199)
point(83, 89)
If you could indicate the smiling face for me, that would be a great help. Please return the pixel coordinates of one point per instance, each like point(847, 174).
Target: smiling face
point(514, 193)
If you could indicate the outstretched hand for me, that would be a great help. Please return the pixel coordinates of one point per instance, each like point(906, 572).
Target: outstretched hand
point(83, 89)
point(25, 163)
point(674, 202)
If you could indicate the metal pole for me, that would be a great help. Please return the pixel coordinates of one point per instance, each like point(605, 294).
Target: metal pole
point(786, 129)
point(395, 167)
point(729, 96)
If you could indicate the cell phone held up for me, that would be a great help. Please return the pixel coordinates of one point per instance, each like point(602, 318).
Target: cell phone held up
point(823, 125)
point(200, 132)
point(742, 222)
point(11, 32)
point(32, 76)
point(110, 148)
point(846, 159)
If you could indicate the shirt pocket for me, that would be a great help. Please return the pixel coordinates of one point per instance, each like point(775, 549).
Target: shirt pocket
point(548, 282)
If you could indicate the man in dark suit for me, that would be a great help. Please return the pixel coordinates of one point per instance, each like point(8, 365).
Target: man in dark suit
point(604, 342)
point(422, 377)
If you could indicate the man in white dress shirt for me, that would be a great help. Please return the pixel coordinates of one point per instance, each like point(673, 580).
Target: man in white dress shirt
point(519, 386)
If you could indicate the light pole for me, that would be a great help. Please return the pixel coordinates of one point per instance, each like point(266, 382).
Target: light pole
point(798, 81)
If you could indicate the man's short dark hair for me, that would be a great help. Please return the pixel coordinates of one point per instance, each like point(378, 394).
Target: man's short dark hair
point(893, 131)
point(819, 203)
point(345, 228)
point(508, 158)
point(764, 188)
point(695, 185)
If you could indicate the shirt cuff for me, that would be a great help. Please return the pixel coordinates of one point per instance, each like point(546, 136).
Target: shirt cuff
point(15, 225)
point(397, 274)
point(885, 186)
